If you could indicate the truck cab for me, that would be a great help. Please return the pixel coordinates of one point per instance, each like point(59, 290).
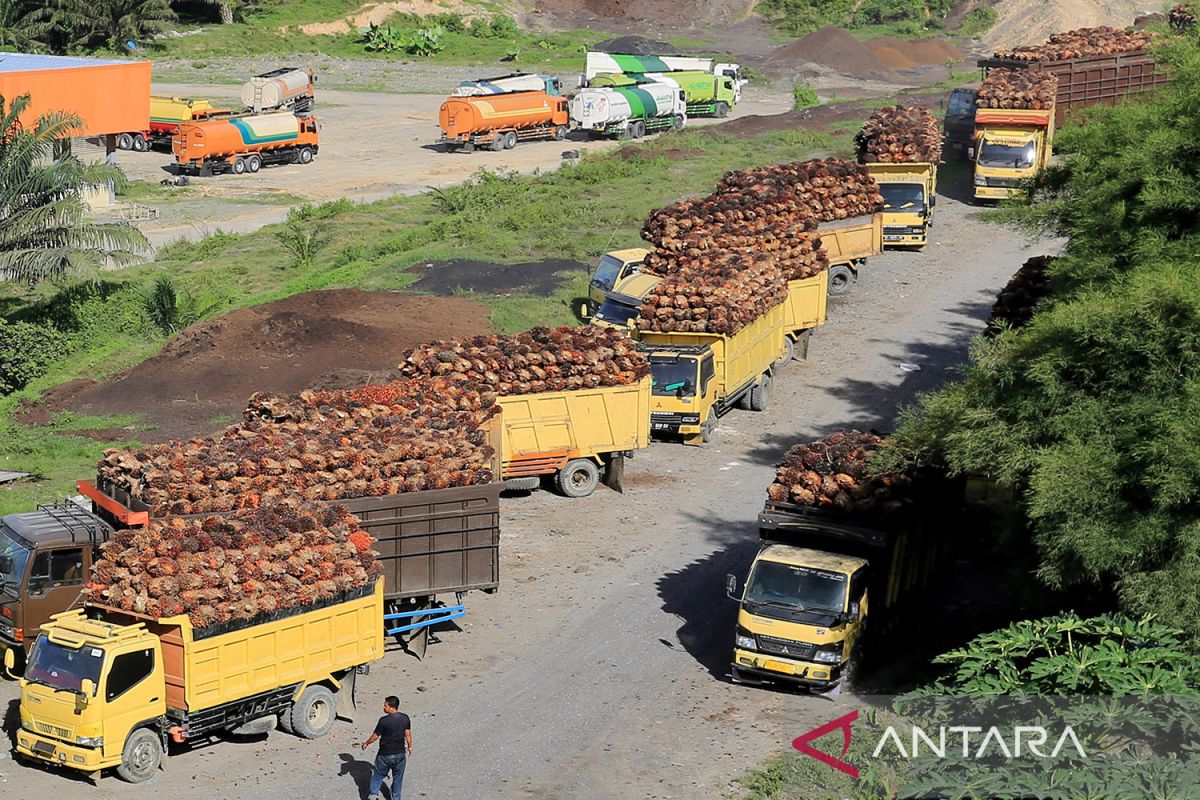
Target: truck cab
point(621, 305)
point(733, 72)
point(959, 121)
point(1011, 146)
point(46, 557)
point(909, 199)
point(89, 686)
point(612, 268)
point(683, 392)
point(799, 617)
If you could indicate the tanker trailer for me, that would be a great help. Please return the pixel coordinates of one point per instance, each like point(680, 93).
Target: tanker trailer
point(500, 121)
point(245, 143)
point(287, 87)
point(514, 82)
point(629, 111)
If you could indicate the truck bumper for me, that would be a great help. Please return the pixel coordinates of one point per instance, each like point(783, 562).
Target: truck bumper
point(54, 751)
point(904, 240)
point(786, 670)
point(995, 192)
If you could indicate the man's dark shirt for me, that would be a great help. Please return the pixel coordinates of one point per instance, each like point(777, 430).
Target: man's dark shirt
point(390, 730)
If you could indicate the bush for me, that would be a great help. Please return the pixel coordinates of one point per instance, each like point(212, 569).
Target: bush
point(804, 95)
point(977, 21)
point(171, 309)
point(26, 351)
point(304, 235)
point(805, 16)
point(497, 27)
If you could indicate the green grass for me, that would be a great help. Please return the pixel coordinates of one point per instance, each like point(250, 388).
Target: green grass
point(154, 193)
point(577, 212)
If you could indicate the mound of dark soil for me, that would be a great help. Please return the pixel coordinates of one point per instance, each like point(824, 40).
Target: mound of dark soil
point(833, 48)
point(541, 278)
point(203, 376)
point(635, 46)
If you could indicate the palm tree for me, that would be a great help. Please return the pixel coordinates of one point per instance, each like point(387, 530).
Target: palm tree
point(19, 26)
point(112, 23)
point(43, 230)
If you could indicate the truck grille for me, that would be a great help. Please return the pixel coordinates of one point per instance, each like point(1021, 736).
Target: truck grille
point(1004, 183)
point(785, 647)
point(61, 733)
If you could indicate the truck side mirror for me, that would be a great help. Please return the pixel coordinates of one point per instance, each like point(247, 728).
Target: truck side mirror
point(87, 688)
point(970, 154)
point(852, 614)
point(731, 587)
point(6, 564)
point(932, 200)
point(10, 661)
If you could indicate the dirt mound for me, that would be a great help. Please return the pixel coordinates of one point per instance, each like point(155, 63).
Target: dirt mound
point(203, 376)
point(1028, 22)
point(913, 51)
point(634, 46)
point(829, 47)
point(540, 278)
point(893, 57)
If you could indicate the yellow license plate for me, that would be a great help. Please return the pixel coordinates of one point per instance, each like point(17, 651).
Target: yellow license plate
point(779, 666)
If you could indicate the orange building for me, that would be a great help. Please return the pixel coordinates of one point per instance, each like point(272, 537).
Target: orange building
point(110, 96)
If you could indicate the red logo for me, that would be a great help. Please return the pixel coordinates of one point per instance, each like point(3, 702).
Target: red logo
point(843, 723)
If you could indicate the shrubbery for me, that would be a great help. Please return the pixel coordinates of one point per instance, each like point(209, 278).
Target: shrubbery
point(26, 350)
point(804, 16)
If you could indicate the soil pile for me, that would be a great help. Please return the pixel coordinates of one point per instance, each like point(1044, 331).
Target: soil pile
point(634, 46)
point(344, 337)
point(909, 53)
point(832, 48)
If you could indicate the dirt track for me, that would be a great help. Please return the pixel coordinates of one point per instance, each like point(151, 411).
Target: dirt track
point(372, 146)
point(599, 669)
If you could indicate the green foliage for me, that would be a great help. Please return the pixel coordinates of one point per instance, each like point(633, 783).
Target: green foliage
point(171, 309)
point(19, 26)
point(26, 351)
point(111, 24)
point(305, 234)
point(495, 27)
point(43, 228)
point(804, 95)
point(1092, 410)
point(977, 22)
point(804, 16)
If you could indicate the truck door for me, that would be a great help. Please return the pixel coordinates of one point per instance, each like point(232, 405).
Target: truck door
point(130, 695)
point(857, 593)
point(55, 581)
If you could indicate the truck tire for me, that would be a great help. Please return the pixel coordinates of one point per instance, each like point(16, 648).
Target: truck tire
point(841, 278)
point(722, 110)
point(239, 166)
point(253, 163)
point(124, 142)
point(789, 352)
point(510, 140)
point(708, 429)
point(141, 756)
point(313, 712)
point(285, 720)
point(305, 156)
point(468, 147)
point(677, 122)
point(579, 477)
point(497, 144)
point(637, 130)
point(760, 395)
point(140, 145)
point(560, 133)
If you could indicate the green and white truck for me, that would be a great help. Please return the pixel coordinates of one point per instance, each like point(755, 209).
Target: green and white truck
point(706, 95)
point(616, 63)
point(629, 112)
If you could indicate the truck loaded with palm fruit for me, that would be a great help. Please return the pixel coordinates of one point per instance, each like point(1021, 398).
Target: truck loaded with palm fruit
point(841, 551)
point(1014, 131)
point(901, 148)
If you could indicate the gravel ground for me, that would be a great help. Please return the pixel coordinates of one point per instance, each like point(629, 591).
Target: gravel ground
point(600, 668)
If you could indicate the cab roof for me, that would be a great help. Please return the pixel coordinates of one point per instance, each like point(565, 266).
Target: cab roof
point(635, 286)
point(629, 254)
point(60, 523)
point(807, 557)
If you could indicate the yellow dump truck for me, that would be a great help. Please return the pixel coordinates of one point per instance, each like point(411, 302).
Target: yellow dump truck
point(612, 268)
point(817, 578)
point(108, 688)
point(1012, 145)
point(849, 243)
point(697, 377)
point(573, 437)
point(909, 199)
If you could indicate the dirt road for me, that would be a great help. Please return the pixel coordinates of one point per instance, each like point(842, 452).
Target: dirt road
point(372, 146)
point(599, 669)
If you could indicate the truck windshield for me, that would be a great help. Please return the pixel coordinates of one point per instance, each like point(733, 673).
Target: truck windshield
point(995, 154)
point(62, 667)
point(903, 197)
point(616, 313)
point(9, 546)
point(962, 104)
point(607, 272)
point(802, 588)
point(673, 378)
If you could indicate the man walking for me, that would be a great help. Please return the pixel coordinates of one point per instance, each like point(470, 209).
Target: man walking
point(394, 732)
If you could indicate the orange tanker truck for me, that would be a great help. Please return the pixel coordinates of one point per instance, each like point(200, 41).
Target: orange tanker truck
point(244, 143)
point(499, 121)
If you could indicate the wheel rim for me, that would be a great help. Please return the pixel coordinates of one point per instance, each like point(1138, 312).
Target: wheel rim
point(318, 714)
point(141, 760)
point(580, 478)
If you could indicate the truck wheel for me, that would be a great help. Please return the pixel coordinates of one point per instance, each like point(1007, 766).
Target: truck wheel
point(124, 142)
point(760, 395)
point(285, 720)
point(560, 133)
point(708, 429)
point(637, 130)
point(313, 714)
point(468, 147)
point(722, 110)
point(239, 166)
point(498, 143)
point(253, 163)
point(140, 145)
point(510, 140)
point(305, 156)
point(578, 478)
point(789, 353)
point(141, 757)
point(841, 278)
point(677, 122)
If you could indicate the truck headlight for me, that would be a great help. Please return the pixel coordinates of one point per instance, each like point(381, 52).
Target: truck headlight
point(980, 180)
point(90, 741)
point(828, 656)
point(744, 640)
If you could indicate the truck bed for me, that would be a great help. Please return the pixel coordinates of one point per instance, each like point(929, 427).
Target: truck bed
point(849, 240)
